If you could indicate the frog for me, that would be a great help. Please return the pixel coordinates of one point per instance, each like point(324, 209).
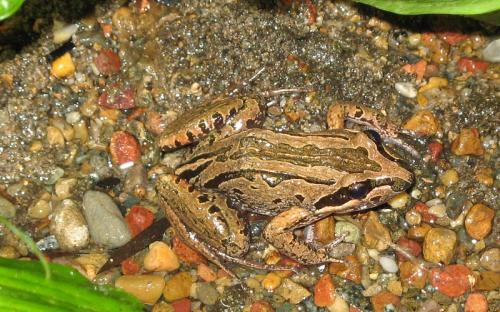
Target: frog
point(293, 178)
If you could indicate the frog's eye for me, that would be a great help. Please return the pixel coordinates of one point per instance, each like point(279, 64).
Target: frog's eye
point(359, 190)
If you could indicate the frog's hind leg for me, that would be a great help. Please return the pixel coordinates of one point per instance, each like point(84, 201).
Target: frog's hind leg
point(279, 232)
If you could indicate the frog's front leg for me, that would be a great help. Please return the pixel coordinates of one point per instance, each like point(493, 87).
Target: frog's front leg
point(279, 232)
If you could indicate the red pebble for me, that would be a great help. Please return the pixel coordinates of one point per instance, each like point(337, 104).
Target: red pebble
point(117, 97)
point(452, 37)
point(182, 305)
point(435, 149)
point(261, 306)
point(129, 267)
point(424, 212)
point(452, 281)
point(124, 148)
point(472, 65)
point(409, 245)
point(107, 62)
point(138, 219)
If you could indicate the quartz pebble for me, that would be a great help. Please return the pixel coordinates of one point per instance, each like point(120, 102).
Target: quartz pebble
point(439, 245)
point(423, 123)
point(69, 227)
point(375, 234)
point(64, 188)
point(7, 209)
point(178, 286)
point(406, 89)
point(207, 293)
point(338, 305)
point(490, 259)
point(449, 177)
point(388, 264)
point(160, 258)
point(146, 288)
point(399, 201)
point(106, 224)
point(412, 274)
point(479, 221)
point(293, 292)
point(492, 52)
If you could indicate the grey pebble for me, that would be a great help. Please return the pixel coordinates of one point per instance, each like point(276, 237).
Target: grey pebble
point(68, 226)
point(106, 224)
point(492, 52)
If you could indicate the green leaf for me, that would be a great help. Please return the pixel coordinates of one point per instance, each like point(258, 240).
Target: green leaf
point(9, 7)
point(415, 7)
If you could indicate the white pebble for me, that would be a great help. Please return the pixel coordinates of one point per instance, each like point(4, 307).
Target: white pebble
point(388, 264)
point(492, 52)
point(406, 89)
point(64, 34)
point(438, 210)
point(338, 305)
point(73, 117)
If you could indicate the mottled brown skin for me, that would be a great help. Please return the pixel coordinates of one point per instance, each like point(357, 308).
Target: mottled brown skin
point(297, 179)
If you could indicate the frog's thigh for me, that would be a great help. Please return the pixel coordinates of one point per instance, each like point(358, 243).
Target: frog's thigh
point(279, 232)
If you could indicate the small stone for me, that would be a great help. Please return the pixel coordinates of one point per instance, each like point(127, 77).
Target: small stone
point(453, 281)
point(73, 117)
point(106, 224)
point(409, 248)
point(383, 300)
point(9, 252)
point(468, 142)
point(338, 305)
point(207, 293)
point(178, 286)
point(490, 260)
point(438, 210)
point(63, 66)
point(271, 281)
point(488, 280)
point(40, 210)
point(64, 188)
point(54, 136)
point(395, 287)
point(492, 52)
point(350, 269)
point(146, 288)
point(261, 306)
point(124, 148)
point(375, 234)
point(430, 305)
point(388, 264)
point(292, 291)
point(399, 201)
point(485, 176)
point(412, 274)
point(351, 232)
point(479, 221)
point(413, 217)
point(160, 258)
point(406, 89)
point(449, 177)
point(7, 209)
point(414, 39)
point(476, 302)
point(206, 273)
point(434, 82)
point(81, 131)
point(69, 227)
point(324, 230)
point(439, 245)
point(423, 123)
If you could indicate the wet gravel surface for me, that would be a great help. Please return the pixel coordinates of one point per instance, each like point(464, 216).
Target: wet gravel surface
point(180, 55)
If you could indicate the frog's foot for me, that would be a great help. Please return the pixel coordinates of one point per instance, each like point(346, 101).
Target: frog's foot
point(341, 111)
point(279, 232)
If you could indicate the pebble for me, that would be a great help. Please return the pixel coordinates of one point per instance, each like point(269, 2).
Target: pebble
point(160, 257)
point(492, 52)
point(375, 234)
point(351, 232)
point(484, 176)
point(324, 230)
point(124, 148)
point(399, 201)
point(410, 246)
point(64, 188)
point(476, 302)
point(207, 293)
point(468, 142)
point(146, 288)
point(8, 252)
point(423, 123)
point(338, 305)
point(429, 305)
point(453, 281)
point(395, 287)
point(488, 280)
point(454, 203)
point(490, 259)
point(7, 209)
point(479, 221)
point(406, 89)
point(271, 281)
point(412, 274)
point(64, 33)
point(178, 286)
point(293, 292)
point(413, 217)
point(54, 136)
point(73, 117)
point(449, 177)
point(439, 245)
point(106, 224)
point(384, 299)
point(206, 273)
point(388, 264)
point(63, 66)
point(351, 269)
point(68, 225)
point(434, 82)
